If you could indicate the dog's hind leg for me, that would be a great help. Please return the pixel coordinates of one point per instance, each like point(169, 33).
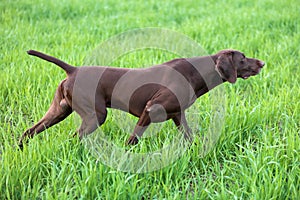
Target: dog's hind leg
point(91, 122)
point(57, 112)
point(92, 117)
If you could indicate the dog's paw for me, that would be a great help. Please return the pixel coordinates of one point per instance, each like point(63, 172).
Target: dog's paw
point(20, 146)
point(132, 140)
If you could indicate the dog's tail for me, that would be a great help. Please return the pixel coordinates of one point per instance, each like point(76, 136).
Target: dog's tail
point(68, 68)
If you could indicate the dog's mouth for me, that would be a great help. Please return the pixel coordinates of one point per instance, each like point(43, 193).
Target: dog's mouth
point(251, 73)
point(245, 77)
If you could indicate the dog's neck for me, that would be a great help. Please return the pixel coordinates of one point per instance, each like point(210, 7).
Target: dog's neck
point(204, 76)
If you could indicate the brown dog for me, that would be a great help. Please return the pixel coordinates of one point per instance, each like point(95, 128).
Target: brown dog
point(152, 94)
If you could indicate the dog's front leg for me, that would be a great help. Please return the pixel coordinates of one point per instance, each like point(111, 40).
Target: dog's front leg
point(140, 128)
point(181, 123)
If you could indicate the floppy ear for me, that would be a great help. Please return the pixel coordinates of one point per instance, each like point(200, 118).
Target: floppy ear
point(225, 67)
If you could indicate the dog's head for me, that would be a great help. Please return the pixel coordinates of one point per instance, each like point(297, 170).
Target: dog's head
point(232, 64)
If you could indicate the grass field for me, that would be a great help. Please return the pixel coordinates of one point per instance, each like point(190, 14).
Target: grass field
point(258, 153)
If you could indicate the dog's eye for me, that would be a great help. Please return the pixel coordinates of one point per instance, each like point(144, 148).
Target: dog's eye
point(243, 60)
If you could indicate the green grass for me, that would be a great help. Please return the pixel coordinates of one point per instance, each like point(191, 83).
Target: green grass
point(257, 155)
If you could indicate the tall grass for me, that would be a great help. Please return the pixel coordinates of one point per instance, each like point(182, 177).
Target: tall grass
point(257, 155)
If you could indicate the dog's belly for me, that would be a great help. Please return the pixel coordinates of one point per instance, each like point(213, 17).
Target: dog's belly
point(133, 102)
point(148, 95)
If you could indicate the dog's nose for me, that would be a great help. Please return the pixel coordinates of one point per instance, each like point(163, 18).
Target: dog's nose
point(261, 63)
